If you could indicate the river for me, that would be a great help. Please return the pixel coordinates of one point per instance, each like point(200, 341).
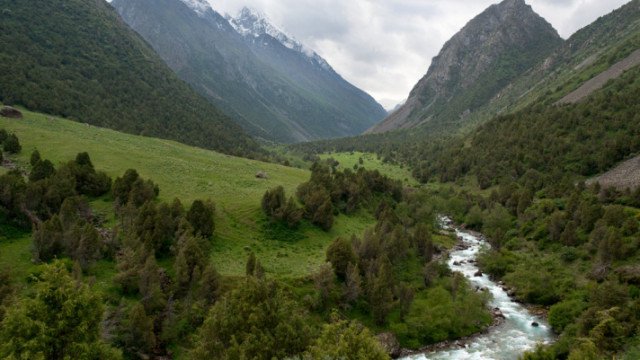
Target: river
point(506, 341)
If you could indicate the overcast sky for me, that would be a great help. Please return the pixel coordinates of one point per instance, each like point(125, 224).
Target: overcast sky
point(385, 46)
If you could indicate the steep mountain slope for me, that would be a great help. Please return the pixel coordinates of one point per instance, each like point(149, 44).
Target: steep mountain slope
point(489, 52)
point(78, 59)
point(207, 52)
point(309, 71)
point(603, 45)
point(588, 53)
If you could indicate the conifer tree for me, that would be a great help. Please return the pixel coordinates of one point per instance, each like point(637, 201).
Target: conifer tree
point(61, 322)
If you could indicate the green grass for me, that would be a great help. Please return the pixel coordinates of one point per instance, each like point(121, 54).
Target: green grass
point(191, 173)
point(347, 160)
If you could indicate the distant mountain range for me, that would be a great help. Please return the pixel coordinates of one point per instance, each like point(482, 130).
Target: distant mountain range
point(443, 106)
point(79, 60)
point(275, 87)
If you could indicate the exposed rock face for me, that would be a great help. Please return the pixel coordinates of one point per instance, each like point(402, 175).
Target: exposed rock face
point(11, 112)
point(390, 343)
point(490, 51)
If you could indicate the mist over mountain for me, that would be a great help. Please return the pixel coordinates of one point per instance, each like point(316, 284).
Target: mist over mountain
point(275, 87)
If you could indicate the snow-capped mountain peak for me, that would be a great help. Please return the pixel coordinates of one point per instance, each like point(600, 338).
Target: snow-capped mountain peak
point(199, 6)
point(252, 23)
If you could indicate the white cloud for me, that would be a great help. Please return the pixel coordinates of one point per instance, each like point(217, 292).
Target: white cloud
point(385, 46)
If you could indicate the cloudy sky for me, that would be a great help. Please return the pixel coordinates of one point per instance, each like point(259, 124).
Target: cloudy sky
point(385, 46)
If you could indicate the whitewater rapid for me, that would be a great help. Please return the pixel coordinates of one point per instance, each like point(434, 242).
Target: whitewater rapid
point(506, 341)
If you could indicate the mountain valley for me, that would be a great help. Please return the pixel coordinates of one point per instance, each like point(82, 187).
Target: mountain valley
point(179, 184)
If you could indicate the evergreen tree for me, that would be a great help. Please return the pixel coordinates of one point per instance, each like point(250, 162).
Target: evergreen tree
point(200, 216)
point(61, 322)
point(41, 170)
point(291, 214)
point(48, 239)
point(323, 281)
point(255, 321)
point(35, 157)
point(348, 341)
point(12, 144)
point(140, 333)
point(209, 285)
point(340, 254)
point(353, 285)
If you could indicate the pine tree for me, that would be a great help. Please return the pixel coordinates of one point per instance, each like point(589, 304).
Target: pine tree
point(140, 329)
point(340, 254)
point(200, 216)
point(12, 144)
point(61, 322)
point(353, 285)
point(35, 157)
point(48, 239)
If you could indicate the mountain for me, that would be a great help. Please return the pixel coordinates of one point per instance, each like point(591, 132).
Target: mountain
point(308, 70)
point(78, 59)
point(480, 60)
point(273, 86)
point(587, 55)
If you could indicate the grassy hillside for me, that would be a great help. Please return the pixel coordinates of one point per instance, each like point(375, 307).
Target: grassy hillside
point(189, 173)
point(349, 160)
point(78, 59)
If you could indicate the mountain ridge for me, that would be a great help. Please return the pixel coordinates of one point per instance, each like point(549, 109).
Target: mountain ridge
point(268, 87)
point(51, 47)
point(484, 56)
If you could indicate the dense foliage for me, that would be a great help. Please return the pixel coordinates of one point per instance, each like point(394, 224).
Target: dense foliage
point(585, 138)
point(150, 308)
point(329, 191)
point(61, 322)
point(557, 242)
point(77, 59)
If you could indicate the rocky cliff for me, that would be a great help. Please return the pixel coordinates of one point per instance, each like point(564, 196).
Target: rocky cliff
point(491, 50)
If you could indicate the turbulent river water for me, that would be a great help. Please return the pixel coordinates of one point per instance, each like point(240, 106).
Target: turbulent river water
point(506, 341)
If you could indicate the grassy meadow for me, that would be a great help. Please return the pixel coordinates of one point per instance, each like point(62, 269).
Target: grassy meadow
point(347, 160)
point(190, 173)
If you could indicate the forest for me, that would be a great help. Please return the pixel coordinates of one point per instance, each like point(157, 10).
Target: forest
point(384, 277)
point(130, 89)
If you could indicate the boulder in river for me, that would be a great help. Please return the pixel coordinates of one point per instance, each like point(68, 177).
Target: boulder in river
point(478, 273)
point(535, 324)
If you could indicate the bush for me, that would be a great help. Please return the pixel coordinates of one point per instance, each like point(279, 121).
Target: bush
point(12, 144)
point(565, 313)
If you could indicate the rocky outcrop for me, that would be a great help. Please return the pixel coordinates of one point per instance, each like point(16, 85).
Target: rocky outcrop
point(490, 51)
point(389, 343)
point(262, 175)
point(10, 112)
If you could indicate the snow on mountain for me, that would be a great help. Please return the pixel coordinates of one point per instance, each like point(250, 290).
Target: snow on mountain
point(199, 6)
point(251, 23)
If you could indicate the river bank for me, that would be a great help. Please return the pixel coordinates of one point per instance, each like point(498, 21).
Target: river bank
point(515, 328)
